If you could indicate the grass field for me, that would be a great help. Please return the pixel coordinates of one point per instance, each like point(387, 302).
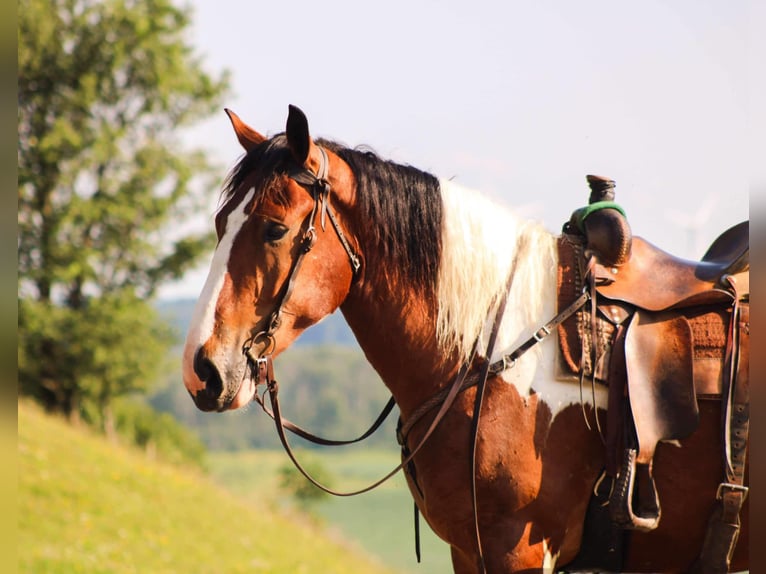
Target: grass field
point(87, 506)
point(381, 521)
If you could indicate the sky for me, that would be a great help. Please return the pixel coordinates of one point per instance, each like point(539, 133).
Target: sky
point(517, 99)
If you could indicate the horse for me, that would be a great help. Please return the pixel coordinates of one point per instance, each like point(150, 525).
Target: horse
point(435, 280)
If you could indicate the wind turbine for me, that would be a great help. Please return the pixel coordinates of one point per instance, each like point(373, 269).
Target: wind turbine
point(693, 223)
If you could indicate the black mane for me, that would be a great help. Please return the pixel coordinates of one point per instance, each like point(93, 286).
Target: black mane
point(401, 205)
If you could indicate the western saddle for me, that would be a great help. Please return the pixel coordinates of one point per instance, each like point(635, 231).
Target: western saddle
point(661, 332)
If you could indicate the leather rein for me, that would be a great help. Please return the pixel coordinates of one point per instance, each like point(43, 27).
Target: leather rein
point(262, 366)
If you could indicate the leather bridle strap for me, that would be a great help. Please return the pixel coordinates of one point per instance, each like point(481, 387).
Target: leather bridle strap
point(307, 242)
point(494, 369)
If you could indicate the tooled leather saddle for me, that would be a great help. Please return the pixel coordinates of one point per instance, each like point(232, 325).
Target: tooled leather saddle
point(662, 333)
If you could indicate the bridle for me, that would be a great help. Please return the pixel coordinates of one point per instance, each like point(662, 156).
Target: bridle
point(319, 188)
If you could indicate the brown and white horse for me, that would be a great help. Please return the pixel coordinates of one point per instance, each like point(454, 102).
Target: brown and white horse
point(417, 266)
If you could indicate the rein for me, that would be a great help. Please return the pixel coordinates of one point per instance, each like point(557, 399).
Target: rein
point(265, 374)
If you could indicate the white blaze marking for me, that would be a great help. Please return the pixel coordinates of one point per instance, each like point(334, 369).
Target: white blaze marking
point(203, 319)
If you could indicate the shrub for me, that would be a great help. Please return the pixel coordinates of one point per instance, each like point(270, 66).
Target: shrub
point(159, 434)
point(292, 482)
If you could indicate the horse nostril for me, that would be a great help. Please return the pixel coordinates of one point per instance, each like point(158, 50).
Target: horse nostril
point(202, 366)
point(208, 374)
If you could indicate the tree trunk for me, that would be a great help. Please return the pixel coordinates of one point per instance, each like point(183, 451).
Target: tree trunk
point(108, 423)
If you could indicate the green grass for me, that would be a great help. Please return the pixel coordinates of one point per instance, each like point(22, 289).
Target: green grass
point(87, 506)
point(380, 521)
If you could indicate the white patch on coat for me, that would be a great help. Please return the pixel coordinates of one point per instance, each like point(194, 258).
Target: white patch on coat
point(203, 319)
point(479, 242)
point(549, 560)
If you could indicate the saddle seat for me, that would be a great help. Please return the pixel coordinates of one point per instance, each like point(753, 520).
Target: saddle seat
point(655, 280)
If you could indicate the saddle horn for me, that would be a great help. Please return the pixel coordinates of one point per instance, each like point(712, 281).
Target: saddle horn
point(603, 223)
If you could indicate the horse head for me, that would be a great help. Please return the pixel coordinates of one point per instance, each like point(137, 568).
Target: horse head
point(279, 266)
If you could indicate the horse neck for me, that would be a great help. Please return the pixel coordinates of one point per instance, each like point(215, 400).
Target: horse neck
point(416, 342)
point(398, 337)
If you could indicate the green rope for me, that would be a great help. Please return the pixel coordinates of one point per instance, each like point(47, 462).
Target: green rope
point(580, 215)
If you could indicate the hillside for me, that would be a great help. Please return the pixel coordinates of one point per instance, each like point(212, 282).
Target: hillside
point(89, 506)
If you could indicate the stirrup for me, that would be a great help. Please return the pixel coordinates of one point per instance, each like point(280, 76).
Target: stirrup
point(621, 502)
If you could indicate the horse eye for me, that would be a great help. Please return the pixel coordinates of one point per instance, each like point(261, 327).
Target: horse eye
point(274, 231)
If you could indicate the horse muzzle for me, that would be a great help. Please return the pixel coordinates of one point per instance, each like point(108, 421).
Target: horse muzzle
point(214, 387)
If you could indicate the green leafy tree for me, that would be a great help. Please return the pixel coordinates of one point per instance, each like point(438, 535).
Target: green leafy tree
point(105, 88)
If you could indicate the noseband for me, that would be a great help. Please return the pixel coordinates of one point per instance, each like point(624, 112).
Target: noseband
point(319, 188)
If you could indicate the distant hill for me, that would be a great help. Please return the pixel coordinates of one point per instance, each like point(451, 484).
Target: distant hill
point(333, 330)
point(85, 505)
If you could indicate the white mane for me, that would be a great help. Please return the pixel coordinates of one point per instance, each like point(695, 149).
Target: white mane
point(479, 240)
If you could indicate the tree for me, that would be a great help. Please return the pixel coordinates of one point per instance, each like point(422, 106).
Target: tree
point(104, 88)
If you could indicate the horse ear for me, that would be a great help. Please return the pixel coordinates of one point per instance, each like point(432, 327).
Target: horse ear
point(298, 134)
point(247, 136)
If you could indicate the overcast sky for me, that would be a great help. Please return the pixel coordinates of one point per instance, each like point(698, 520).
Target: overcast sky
point(518, 99)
